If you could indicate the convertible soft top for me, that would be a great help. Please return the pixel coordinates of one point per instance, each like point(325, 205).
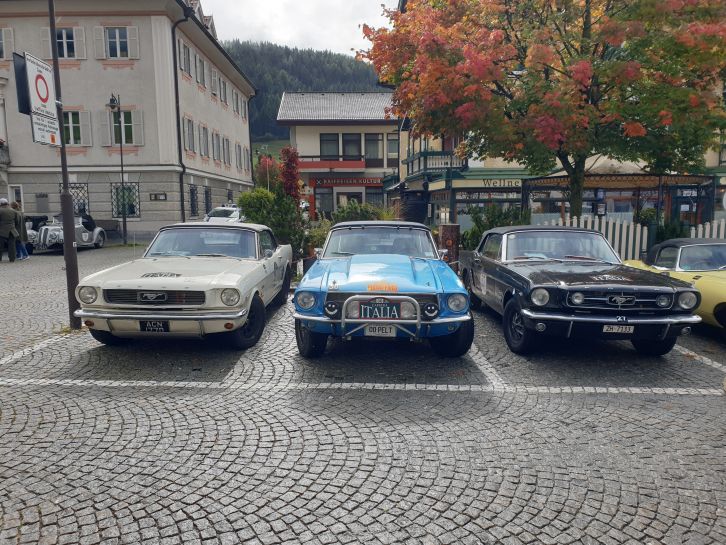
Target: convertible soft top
point(679, 243)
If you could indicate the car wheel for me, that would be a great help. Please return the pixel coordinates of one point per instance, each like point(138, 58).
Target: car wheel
point(520, 340)
point(474, 302)
point(654, 348)
point(100, 242)
point(248, 335)
point(106, 337)
point(457, 344)
point(309, 343)
point(281, 298)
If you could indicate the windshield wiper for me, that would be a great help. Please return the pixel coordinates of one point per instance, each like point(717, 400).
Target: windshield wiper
point(588, 258)
point(166, 254)
point(343, 253)
point(211, 255)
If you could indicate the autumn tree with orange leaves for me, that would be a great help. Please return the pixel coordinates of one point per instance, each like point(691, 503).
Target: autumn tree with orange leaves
point(546, 81)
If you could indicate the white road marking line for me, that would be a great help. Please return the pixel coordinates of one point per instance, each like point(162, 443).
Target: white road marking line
point(110, 383)
point(15, 356)
point(487, 368)
point(699, 357)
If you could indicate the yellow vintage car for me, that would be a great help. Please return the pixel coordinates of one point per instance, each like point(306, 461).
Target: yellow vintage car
point(701, 262)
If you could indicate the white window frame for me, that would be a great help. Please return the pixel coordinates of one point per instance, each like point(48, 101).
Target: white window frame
point(203, 141)
point(189, 135)
point(246, 159)
point(186, 59)
point(226, 151)
point(123, 124)
point(118, 40)
point(68, 122)
point(63, 42)
point(216, 146)
point(201, 72)
point(223, 91)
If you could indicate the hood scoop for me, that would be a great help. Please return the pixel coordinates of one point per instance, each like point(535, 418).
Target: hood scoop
point(160, 275)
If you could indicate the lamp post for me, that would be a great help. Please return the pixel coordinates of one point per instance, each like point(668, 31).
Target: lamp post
point(114, 104)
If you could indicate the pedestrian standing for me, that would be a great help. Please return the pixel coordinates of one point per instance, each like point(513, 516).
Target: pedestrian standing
point(20, 243)
point(9, 229)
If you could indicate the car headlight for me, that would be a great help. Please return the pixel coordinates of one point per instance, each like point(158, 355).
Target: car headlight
point(456, 302)
point(663, 301)
point(540, 297)
point(577, 298)
point(87, 294)
point(353, 310)
point(408, 311)
point(687, 300)
point(230, 297)
point(305, 300)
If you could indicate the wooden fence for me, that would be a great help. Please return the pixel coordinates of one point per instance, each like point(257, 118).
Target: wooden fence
point(628, 239)
point(714, 229)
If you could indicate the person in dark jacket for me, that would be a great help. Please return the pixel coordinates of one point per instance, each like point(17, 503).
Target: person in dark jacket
point(9, 229)
point(20, 249)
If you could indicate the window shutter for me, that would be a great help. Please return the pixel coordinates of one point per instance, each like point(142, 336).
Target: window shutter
point(99, 42)
point(200, 136)
point(79, 35)
point(45, 43)
point(8, 43)
point(215, 82)
point(137, 121)
point(184, 134)
point(106, 127)
point(133, 34)
point(85, 118)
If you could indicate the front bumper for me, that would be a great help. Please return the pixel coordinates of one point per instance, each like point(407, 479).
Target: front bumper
point(573, 325)
point(181, 324)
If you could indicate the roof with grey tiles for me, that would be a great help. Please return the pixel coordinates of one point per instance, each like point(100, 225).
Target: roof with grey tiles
point(323, 107)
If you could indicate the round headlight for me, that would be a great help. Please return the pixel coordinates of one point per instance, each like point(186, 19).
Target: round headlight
point(540, 297)
point(305, 300)
point(687, 300)
point(663, 301)
point(456, 302)
point(230, 297)
point(408, 311)
point(353, 310)
point(87, 294)
point(577, 298)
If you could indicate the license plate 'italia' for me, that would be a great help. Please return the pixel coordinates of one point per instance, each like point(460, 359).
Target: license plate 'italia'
point(380, 331)
point(154, 326)
point(380, 309)
point(618, 328)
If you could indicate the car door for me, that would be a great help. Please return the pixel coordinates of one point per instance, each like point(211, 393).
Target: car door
point(490, 263)
point(270, 285)
point(477, 273)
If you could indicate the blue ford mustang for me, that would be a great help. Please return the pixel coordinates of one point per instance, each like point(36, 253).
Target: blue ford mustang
point(382, 279)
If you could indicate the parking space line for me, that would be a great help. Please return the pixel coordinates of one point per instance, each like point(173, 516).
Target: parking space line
point(487, 369)
point(703, 359)
point(19, 382)
point(15, 356)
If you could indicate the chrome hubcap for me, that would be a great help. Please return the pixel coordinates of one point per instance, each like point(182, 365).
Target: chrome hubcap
point(516, 327)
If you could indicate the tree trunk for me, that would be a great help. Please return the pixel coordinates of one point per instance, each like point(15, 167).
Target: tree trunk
point(577, 182)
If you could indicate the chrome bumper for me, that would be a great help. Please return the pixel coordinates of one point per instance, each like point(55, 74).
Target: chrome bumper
point(637, 320)
point(196, 317)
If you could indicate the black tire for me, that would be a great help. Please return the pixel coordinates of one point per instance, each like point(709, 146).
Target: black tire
point(309, 343)
point(458, 343)
point(654, 348)
point(104, 337)
point(281, 298)
point(248, 335)
point(474, 302)
point(520, 340)
point(100, 242)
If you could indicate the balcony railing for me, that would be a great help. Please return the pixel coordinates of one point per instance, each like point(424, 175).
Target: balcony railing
point(4, 155)
point(332, 162)
point(433, 161)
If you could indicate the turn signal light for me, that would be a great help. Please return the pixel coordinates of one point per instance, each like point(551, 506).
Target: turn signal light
point(89, 323)
point(228, 325)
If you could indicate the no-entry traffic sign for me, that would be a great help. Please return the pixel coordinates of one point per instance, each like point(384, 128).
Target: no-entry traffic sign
point(43, 112)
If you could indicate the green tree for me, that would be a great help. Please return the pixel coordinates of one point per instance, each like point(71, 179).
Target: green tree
point(489, 218)
point(279, 212)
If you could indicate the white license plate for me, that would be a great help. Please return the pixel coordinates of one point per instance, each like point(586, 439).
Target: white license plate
point(618, 328)
point(380, 331)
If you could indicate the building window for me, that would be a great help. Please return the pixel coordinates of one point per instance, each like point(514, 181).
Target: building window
point(207, 200)
point(189, 135)
point(193, 200)
point(329, 150)
point(6, 43)
point(244, 108)
point(215, 83)
point(201, 71)
point(117, 42)
point(186, 64)
point(392, 148)
point(374, 196)
point(246, 155)
point(2, 44)
point(79, 195)
point(72, 128)
point(238, 155)
point(235, 101)
point(66, 43)
point(324, 201)
point(216, 147)
point(123, 124)
point(223, 90)
point(125, 197)
point(203, 141)
point(374, 150)
point(226, 151)
point(351, 147)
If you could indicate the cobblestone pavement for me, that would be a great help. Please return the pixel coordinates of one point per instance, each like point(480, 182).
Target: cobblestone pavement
point(189, 442)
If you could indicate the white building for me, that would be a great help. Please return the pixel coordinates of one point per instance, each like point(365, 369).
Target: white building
point(126, 48)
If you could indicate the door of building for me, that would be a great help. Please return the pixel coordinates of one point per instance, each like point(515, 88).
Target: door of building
point(344, 198)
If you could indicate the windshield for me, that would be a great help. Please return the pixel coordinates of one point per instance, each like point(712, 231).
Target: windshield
point(239, 243)
point(222, 213)
point(380, 240)
point(703, 257)
point(560, 245)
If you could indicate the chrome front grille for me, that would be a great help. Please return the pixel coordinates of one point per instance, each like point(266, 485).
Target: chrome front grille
point(154, 297)
point(619, 301)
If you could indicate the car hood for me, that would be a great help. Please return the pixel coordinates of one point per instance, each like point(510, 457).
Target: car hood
point(581, 274)
point(198, 273)
point(381, 273)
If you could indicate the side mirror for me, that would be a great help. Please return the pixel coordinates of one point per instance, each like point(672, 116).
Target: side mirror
point(268, 254)
point(318, 253)
point(444, 254)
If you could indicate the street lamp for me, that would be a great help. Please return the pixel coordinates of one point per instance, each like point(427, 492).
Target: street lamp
point(114, 105)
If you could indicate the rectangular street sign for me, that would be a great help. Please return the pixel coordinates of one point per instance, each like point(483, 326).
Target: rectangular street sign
point(43, 112)
point(45, 130)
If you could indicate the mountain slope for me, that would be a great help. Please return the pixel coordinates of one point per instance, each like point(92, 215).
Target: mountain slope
point(274, 69)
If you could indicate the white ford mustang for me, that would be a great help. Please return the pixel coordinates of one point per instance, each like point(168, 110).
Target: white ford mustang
point(195, 279)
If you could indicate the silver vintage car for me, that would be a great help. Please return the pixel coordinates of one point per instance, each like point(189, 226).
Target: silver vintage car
point(50, 236)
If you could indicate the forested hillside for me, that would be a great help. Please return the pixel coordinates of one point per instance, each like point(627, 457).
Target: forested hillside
point(274, 69)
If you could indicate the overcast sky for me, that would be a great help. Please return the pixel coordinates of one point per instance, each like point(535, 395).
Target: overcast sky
point(318, 24)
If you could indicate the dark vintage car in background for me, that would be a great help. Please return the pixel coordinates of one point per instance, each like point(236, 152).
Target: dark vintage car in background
point(567, 282)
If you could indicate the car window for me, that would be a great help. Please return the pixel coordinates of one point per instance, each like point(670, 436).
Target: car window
point(492, 247)
point(406, 241)
point(667, 258)
point(266, 242)
point(222, 213)
point(703, 257)
point(185, 241)
point(559, 244)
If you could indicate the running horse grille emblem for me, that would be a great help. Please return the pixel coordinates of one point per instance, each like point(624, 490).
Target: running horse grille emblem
point(621, 300)
point(152, 297)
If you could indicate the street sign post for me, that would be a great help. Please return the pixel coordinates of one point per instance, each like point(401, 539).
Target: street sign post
point(43, 110)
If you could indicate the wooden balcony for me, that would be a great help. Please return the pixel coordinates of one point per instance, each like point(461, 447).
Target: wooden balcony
point(332, 163)
point(433, 162)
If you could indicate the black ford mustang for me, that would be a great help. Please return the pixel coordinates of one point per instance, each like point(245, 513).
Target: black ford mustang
point(568, 282)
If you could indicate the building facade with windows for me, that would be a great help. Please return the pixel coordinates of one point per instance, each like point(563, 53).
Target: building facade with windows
point(127, 49)
point(347, 146)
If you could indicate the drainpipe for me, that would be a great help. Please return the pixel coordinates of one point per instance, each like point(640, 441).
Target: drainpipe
point(188, 12)
point(249, 137)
